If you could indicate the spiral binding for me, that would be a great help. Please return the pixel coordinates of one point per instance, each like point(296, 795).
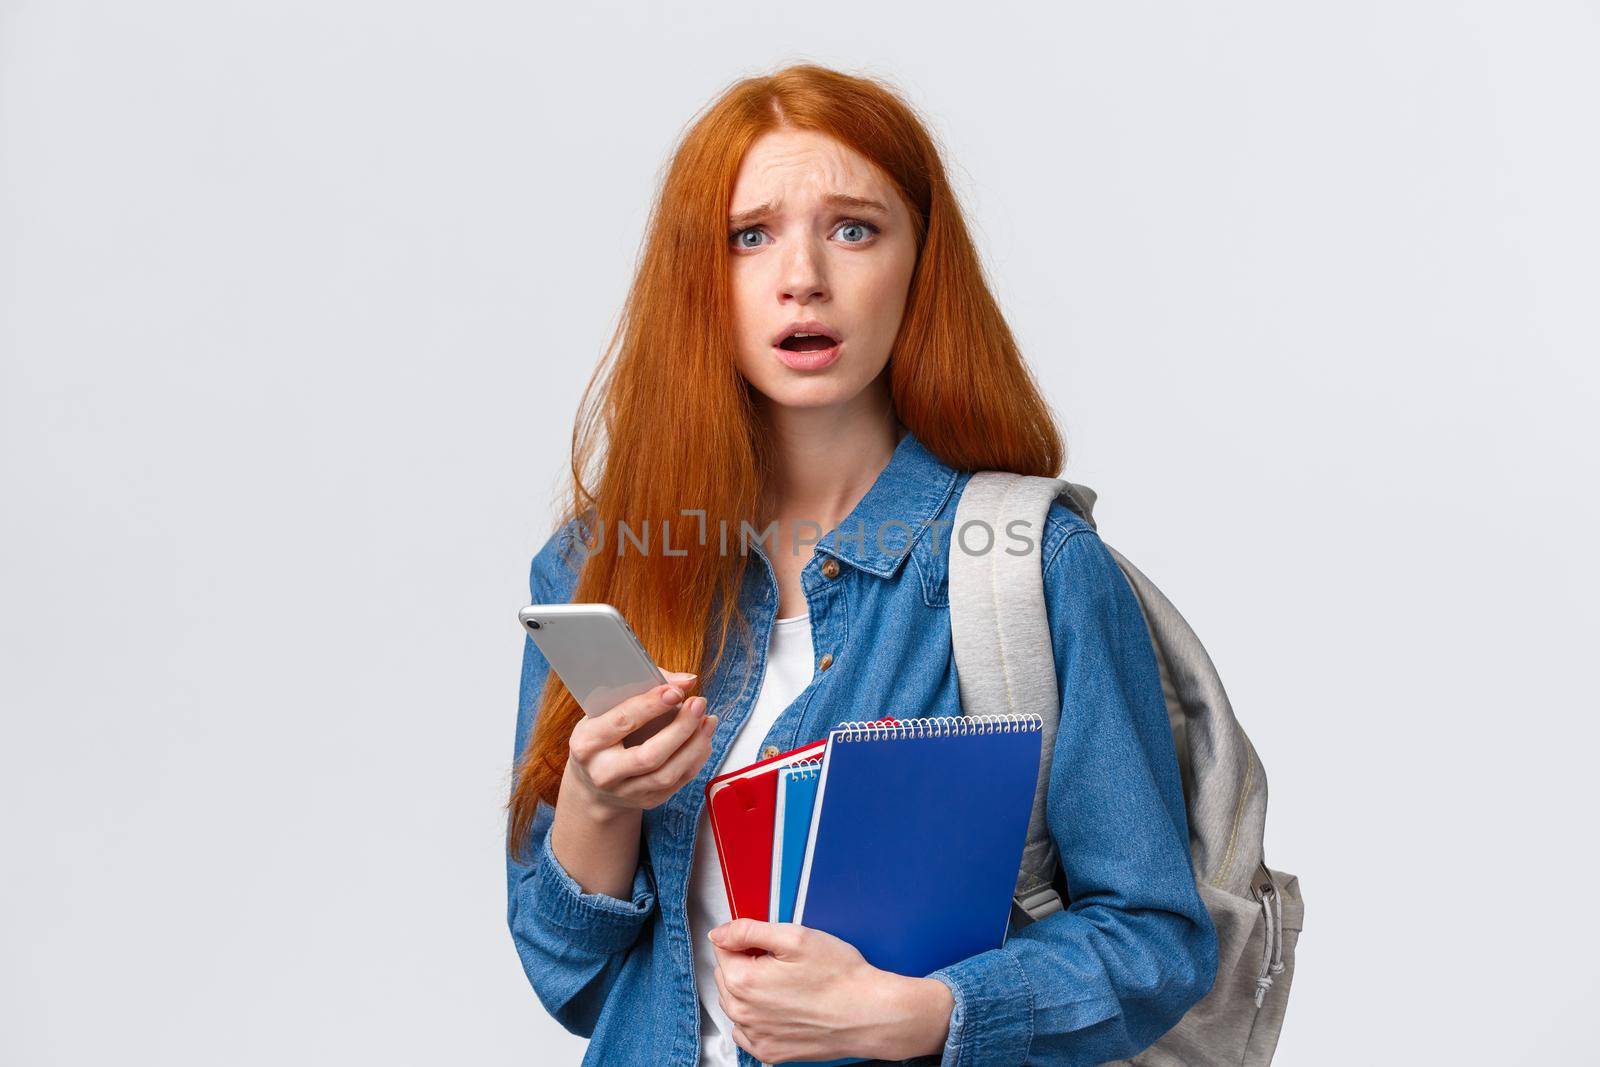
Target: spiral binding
point(802, 769)
point(941, 726)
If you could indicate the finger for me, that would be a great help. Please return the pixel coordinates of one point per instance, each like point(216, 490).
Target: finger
point(734, 969)
point(654, 787)
point(682, 766)
point(780, 939)
point(740, 1038)
point(609, 729)
point(744, 974)
point(670, 741)
point(758, 1041)
point(730, 1006)
point(684, 680)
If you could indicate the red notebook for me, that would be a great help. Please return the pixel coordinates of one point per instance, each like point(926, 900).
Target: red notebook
point(740, 806)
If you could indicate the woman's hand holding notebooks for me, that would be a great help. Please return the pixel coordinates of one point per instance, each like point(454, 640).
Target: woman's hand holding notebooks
point(902, 838)
point(912, 841)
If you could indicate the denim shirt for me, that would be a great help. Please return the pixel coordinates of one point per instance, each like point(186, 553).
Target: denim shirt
point(1135, 947)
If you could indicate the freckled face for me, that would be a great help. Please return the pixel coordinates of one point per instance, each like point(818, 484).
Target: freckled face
point(817, 234)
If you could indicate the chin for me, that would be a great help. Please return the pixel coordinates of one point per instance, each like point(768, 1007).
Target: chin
point(836, 384)
point(817, 392)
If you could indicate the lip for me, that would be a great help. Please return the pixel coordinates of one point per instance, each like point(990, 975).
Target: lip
point(808, 361)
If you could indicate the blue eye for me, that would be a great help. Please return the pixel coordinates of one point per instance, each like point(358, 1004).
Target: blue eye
point(865, 232)
point(866, 228)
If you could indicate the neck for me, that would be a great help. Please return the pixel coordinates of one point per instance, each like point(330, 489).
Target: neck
point(825, 459)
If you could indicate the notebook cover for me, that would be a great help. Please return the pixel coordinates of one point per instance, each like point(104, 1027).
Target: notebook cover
point(739, 807)
point(915, 841)
point(797, 792)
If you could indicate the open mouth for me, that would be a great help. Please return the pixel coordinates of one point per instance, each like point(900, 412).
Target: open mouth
point(808, 345)
point(814, 342)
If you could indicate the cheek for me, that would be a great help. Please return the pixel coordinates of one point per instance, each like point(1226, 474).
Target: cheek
point(741, 292)
point(750, 326)
point(879, 292)
point(750, 296)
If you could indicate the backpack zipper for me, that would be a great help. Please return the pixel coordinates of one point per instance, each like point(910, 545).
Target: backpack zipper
point(1272, 947)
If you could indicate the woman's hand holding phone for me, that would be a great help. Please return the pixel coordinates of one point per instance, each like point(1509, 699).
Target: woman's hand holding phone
point(607, 785)
point(613, 778)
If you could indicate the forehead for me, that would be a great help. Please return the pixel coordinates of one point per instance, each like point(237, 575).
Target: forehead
point(800, 165)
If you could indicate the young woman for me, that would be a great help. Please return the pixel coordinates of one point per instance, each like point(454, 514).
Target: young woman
point(809, 346)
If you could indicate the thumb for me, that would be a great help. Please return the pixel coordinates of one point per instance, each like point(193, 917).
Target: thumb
point(780, 939)
point(738, 935)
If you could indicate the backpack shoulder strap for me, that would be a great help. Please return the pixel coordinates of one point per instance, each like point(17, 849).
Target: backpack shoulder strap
point(1001, 637)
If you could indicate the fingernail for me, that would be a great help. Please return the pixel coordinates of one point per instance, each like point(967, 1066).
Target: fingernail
point(672, 695)
point(698, 704)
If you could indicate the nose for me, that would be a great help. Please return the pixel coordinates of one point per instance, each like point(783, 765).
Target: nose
point(803, 278)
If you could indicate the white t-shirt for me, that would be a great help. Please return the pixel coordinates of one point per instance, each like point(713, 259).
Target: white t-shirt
point(788, 672)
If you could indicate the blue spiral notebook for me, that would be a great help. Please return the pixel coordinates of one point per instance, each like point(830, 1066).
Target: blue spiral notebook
point(916, 837)
point(791, 826)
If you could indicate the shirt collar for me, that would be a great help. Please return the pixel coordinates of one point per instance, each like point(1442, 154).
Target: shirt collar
point(888, 522)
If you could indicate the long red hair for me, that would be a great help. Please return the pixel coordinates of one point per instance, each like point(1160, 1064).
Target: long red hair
point(667, 423)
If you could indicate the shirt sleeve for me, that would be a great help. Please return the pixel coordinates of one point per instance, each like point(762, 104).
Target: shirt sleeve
point(1135, 948)
point(572, 944)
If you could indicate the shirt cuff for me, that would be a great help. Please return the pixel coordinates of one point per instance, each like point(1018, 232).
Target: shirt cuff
point(992, 1022)
point(598, 922)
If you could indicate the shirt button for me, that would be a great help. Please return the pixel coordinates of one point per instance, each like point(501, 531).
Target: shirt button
point(825, 662)
point(769, 752)
point(830, 568)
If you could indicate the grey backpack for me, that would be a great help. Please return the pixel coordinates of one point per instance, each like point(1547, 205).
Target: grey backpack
point(1004, 664)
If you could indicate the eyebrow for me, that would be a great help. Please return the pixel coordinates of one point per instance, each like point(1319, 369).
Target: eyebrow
point(761, 211)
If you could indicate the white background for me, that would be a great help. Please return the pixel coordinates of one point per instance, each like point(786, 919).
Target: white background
point(298, 299)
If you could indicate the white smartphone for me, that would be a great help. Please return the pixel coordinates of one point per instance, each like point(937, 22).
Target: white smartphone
point(600, 661)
